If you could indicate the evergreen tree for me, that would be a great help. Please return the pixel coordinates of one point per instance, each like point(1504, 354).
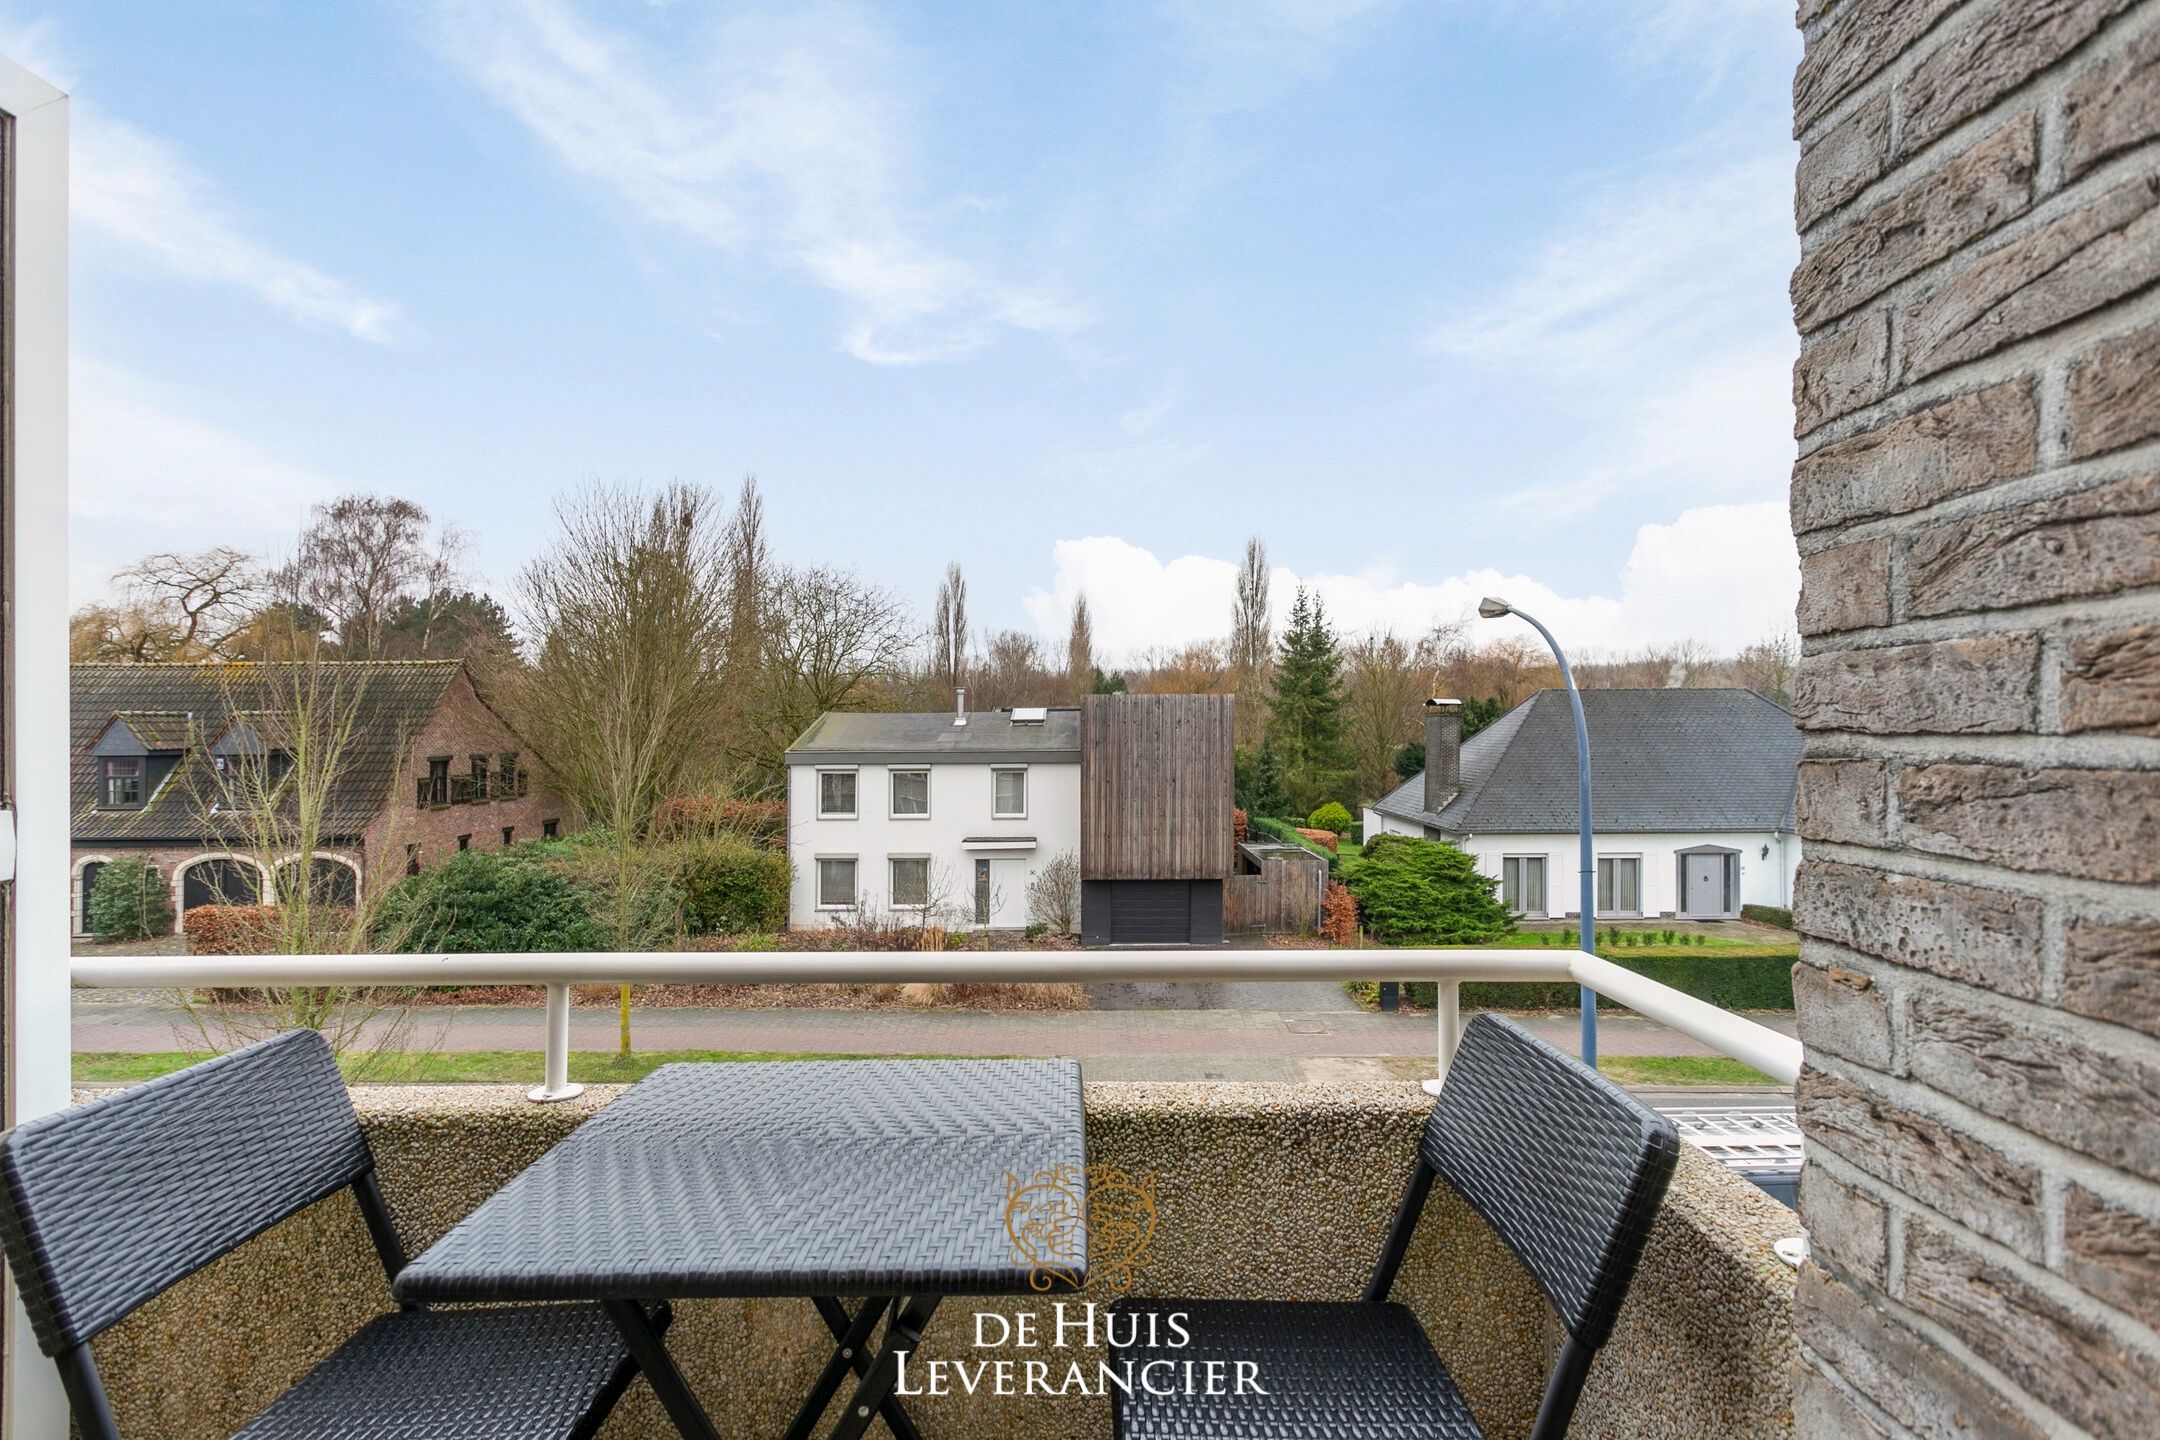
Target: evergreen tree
point(1259, 783)
point(1305, 705)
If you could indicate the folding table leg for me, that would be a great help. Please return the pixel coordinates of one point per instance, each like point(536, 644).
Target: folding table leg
point(659, 1368)
point(903, 1333)
point(895, 1414)
point(851, 1341)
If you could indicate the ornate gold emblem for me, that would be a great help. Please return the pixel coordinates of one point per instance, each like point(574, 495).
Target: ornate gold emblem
point(1048, 1213)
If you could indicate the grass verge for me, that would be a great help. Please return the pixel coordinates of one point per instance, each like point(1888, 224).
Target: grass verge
point(1679, 1070)
point(464, 1067)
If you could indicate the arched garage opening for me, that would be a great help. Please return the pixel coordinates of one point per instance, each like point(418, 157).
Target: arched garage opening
point(330, 880)
point(216, 880)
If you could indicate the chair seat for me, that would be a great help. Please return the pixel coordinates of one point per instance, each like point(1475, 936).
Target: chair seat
point(519, 1373)
point(1332, 1371)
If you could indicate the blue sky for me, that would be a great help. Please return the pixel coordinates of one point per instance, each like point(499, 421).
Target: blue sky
point(1438, 298)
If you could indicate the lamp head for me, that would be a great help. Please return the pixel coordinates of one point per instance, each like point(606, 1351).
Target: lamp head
point(1492, 607)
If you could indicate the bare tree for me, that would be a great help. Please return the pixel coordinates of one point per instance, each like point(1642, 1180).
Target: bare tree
point(749, 571)
point(1198, 668)
point(628, 613)
point(360, 555)
point(1080, 651)
point(1252, 642)
point(173, 606)
point(1766, 666)
point(1386, 681)
point(1053, 894)
point(949, 629)
point(1012, 670)
point(832, 639)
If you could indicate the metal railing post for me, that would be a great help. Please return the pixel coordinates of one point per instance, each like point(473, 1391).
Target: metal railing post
point(1447, 1014)
point(558, 1086)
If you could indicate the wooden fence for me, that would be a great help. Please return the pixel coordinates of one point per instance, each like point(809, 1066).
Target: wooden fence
point(1284, 898)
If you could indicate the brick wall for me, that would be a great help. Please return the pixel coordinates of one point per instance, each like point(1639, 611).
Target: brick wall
point(1977, 500)
point(462, 726)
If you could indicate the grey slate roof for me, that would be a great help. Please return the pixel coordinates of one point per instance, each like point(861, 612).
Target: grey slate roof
point(873, 738)
point(1659, 760)
point(394, 699)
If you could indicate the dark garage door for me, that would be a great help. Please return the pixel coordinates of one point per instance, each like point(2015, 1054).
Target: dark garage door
point(219, 882)
point(1151, 912)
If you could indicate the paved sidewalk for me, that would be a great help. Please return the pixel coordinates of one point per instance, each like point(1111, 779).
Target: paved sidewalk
point(1170, 1040)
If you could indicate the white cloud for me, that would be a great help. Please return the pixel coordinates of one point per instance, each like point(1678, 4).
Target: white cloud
point(1654, 324)
point(1722, 574)
point(140, 193)
point(783, 137)
point(147, 472)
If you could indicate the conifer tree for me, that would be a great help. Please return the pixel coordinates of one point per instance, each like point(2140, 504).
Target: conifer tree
point(1305, 705)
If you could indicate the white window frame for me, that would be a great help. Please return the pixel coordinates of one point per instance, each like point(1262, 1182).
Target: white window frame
point(817, 881)
point(892, 881)
point(1544, 883)
point(892, 793)
point(998, 772)
point(1598, 894)
point(852, 811)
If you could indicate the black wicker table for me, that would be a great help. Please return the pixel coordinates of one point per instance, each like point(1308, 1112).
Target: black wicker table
point(884, 1179)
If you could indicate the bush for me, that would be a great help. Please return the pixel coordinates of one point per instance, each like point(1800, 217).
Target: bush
point(1053, 895)
point(1331, 817)
point(1284, 833)
point(1768, 915)
point(128, 901)
point(489, 900)
point(1338, 914)
point(730, 886)
point(232, 929)
point(761, 822)
point(1749, 982)
point(1425, 892)
point(1326, 840)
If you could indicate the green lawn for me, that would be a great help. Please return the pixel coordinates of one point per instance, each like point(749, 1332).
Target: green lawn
point(471, 1067)
point(1723, 947)
point(1679, 1070)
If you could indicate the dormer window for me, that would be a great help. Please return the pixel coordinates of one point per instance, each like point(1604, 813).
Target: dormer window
point(122, 787)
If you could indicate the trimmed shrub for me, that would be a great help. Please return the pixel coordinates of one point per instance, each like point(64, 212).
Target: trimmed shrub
point(232, 929)
point(1331, 817)
point(1748, 982)
point(730, 886)
point(1285, 833)
point(128, 901)
point(1327, 840)
point(489, 900)
point(1425, 892)
point(1768, 915)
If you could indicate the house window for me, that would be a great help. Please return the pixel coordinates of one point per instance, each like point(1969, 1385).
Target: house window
point(435, 790)
point(480, 777)
point(464, 842)
point(548, 828)
point(123, 785)
point(910, 881)
point(836, 882)
point(509, 834)
point(1619, 884)
point(910, 793)
point(1522, 884)
point(412, 859)
point(506, 775)
point(836, 794)
point(1011, 801)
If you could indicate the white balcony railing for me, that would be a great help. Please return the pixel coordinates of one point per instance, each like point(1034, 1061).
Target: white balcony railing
point(1775, 1054)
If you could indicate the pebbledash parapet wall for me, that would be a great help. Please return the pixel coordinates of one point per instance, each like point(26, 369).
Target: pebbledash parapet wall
point(1283, 1191)
point(1977, 500)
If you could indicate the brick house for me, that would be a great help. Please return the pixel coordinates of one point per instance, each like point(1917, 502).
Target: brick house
point(432, 769)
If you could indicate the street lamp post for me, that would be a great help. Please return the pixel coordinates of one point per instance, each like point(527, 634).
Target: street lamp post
point(1492, 608)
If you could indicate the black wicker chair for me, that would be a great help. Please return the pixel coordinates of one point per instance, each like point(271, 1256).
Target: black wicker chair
point(105, 1205)
point(1567, 1167)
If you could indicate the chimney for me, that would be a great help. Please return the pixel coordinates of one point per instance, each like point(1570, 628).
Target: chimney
point(1443, 751)
point(959, 706)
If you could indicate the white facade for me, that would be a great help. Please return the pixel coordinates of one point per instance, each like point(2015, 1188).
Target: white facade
point(964, 828)
point(1765, 862)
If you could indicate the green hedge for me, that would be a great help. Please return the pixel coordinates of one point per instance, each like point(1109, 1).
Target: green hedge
point(730, 886)
point(129, 901)
point(1756, 982)
point(1768, 915)
point(482, 901)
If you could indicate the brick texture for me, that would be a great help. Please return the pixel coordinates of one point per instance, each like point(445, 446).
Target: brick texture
point(1977, 401)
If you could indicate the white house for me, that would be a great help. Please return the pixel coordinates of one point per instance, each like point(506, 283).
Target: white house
point(1691, 801)
point(951, 815)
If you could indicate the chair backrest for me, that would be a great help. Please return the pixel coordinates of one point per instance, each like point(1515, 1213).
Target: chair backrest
point(106, 1204)
point(1566, 1166)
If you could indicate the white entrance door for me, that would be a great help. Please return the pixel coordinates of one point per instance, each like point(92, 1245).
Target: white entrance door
point(1702, 885)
